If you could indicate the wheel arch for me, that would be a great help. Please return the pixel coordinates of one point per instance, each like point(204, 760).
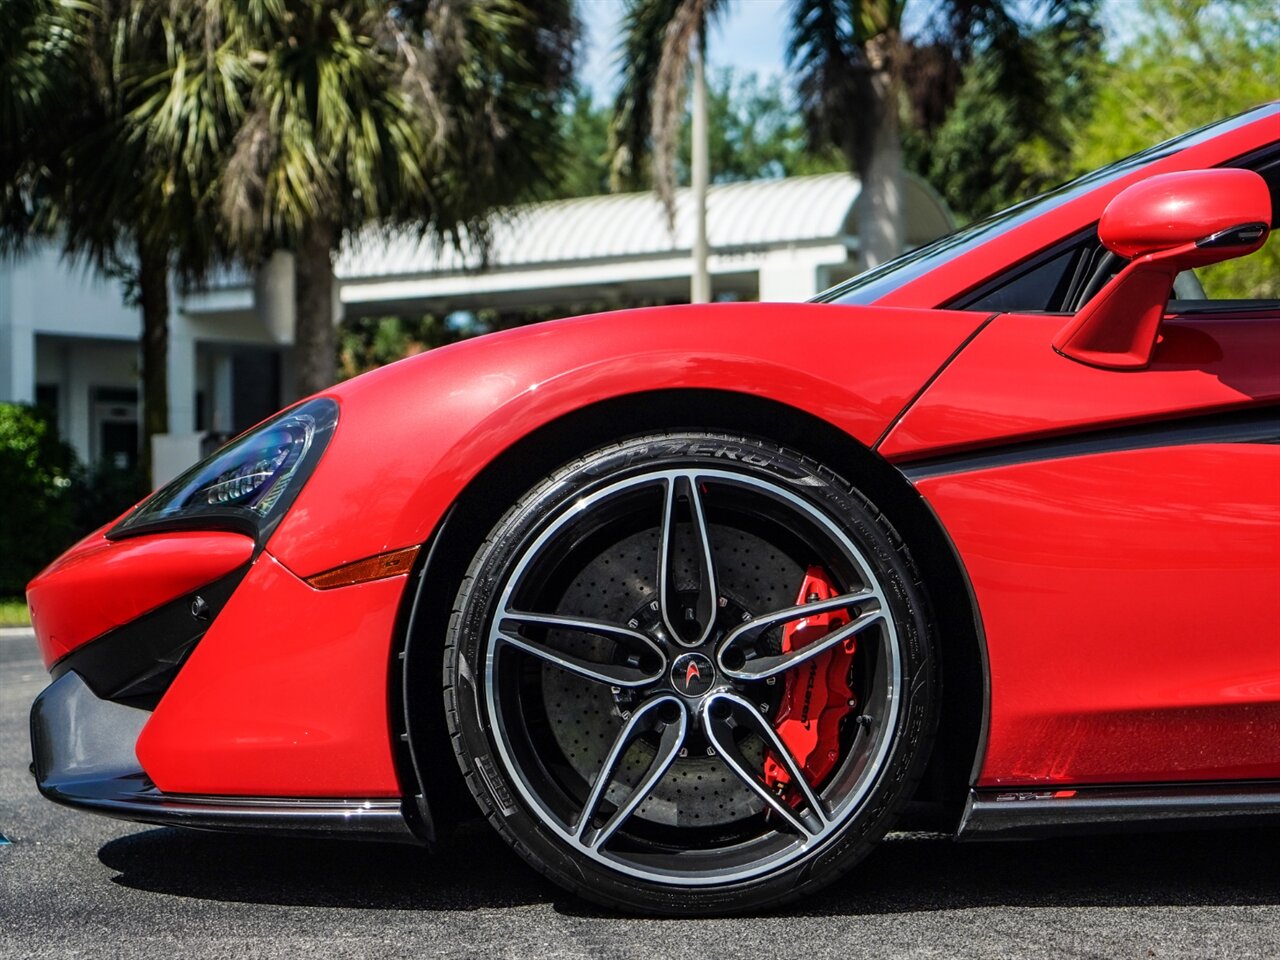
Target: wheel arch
point(424, 755)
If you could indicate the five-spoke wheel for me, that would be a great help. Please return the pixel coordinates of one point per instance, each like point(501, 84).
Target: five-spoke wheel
point(626, 650)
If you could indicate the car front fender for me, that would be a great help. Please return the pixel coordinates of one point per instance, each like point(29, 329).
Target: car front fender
point(411, 435)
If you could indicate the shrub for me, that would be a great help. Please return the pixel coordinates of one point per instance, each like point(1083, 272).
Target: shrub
point(37, 471)
point(102, 493)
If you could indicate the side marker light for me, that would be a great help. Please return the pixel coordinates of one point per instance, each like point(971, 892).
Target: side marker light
point(380, 567)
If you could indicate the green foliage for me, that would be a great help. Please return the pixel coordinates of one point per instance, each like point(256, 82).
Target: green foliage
point(103, 492)
point(40, 48)
point(1187, 63)
point(990, 152)
point(753, 133)
point(584, 171)
point(752, 129)
point(368, 342)
point(14, 613)
point(639, 51)
point(36, 475)
point(52, 499)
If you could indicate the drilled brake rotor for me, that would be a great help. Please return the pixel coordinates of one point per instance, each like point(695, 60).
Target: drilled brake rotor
point(585, 717)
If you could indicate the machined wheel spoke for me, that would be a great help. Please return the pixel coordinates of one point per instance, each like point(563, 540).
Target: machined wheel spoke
point(670, 738)
point(719, 733)
point(761, 668)
point(679, 488)
point(761, 725)
point(622, 675)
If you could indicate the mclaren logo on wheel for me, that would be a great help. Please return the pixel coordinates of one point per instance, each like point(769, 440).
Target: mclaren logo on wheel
point(692, 674)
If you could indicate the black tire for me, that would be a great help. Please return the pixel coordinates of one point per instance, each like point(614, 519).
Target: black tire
point(530, 717)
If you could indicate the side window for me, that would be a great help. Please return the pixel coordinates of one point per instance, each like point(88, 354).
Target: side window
point(1041, 285)
point(1038, 288)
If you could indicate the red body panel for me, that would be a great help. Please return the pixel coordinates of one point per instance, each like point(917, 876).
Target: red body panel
point(1009, 384)
point(412, 434)
point(1128, 598)
point(286, 695)
point(100, 584)
point(1129, 601)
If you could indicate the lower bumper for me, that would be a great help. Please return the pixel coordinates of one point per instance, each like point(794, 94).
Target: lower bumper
point(83, 750)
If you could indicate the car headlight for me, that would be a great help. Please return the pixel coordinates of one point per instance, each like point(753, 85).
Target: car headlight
point(247, 484)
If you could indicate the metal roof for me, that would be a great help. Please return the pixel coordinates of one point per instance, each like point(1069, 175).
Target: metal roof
point(739, 216)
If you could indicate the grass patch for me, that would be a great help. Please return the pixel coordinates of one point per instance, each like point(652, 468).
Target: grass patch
point(13, 613)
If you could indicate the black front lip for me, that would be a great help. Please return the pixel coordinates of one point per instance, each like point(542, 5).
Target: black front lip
point(83, 750)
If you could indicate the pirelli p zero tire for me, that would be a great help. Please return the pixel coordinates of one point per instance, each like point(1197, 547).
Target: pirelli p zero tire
point(691, 674)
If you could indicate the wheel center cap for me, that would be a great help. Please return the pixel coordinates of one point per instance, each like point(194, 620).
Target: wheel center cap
point(693, 674)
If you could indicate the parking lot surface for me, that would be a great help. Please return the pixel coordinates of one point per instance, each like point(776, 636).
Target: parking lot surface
point(75, 885)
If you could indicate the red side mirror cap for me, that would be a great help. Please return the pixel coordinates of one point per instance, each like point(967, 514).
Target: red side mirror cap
point(1164, 224)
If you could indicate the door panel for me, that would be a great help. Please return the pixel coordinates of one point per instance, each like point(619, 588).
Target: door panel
point(1127, 577)
point(1010, 385)
point(1129, 600)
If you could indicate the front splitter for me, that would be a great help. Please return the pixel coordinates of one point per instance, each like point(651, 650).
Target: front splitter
point(83, 757)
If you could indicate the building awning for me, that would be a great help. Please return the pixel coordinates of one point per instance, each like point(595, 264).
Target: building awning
point(741, 217)
point(781, 239)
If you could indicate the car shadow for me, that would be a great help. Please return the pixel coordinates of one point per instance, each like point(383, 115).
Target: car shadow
point(931, 872)
point(472, 869)
point(908, 873)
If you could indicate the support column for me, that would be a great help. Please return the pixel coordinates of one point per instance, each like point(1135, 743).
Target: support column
point(220, 394)
point(18, 366)
point(700, 285)
point(182, 377)
point(785, 278)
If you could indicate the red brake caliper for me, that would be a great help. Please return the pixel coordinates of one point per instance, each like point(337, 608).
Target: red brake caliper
point(816, 696)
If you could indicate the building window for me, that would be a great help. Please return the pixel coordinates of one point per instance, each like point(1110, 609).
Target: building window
point(116, 434)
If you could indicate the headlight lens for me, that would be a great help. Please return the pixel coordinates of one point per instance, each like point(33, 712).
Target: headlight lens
point(248, 483)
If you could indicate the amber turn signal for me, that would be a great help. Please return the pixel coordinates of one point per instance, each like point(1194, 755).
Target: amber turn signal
point(371, 568)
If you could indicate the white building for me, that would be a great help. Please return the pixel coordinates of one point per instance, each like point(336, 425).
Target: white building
point(67, 340)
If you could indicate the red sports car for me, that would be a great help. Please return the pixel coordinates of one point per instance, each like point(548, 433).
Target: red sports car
point(696, 603)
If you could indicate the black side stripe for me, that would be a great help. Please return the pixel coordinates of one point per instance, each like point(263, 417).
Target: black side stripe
point(1255, 425)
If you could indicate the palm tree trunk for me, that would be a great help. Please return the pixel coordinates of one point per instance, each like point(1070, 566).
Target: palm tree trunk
point(314, 338)
point(153, 296)
point(880, 219)
point(700, 287)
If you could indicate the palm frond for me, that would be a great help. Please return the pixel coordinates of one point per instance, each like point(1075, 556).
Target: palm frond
point(688, 26)
point(639, 55)
point(826, 55)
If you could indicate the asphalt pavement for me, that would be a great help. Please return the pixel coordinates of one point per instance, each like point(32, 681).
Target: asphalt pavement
point(76, 885)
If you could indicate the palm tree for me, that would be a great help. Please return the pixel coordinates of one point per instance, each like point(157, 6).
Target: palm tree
point(39, 52)
point(848, 59)
point(80, 86)
point(364, 114)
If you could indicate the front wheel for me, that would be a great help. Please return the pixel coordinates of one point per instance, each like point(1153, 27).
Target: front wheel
point(691, 674)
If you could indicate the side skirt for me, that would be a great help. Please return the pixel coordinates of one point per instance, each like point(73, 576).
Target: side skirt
point(1004, 814)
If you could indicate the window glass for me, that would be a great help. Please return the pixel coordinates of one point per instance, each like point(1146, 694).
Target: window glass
point(871, 285)
point(1041, 288)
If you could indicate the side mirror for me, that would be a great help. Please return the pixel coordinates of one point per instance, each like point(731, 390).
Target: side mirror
point(1165, 224)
